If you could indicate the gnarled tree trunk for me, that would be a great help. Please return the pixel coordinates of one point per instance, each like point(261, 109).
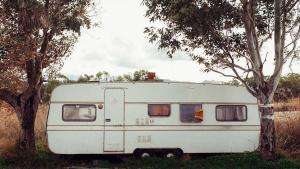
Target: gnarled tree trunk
point(26, 105)
point(29, 110)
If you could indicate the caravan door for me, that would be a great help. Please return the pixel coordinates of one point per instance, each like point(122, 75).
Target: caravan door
point(114, 120)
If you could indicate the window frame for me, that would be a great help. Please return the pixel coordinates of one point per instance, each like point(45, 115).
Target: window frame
point(78, 120)
point(170, 108)
point(194, 117)
point(246, 109)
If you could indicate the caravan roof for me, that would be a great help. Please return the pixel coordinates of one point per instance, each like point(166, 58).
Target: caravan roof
point(156, 92)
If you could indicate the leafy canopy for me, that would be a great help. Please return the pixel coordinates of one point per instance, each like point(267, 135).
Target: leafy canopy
point(40, 31)
point(228, 35)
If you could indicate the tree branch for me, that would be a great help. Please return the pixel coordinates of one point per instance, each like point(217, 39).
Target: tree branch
point(255, 94)
point(279, 38)
point(294, 43)
point(9, 97)
point(264, 40)
point(290, 5)
point(223, 74)
point(252, 42)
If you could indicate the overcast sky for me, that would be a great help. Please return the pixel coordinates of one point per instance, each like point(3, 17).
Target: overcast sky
point(119, 46)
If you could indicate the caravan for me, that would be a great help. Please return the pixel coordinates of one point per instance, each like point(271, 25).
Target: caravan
point(145, 117)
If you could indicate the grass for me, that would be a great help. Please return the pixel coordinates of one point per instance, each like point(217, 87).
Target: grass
point(289, 105)
point(287, 125)
point(225, 161)
point(10, 127)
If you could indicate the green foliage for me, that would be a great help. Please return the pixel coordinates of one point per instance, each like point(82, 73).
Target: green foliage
point(127, 77)
point(233, 82)
point(288, 87)
point(102, 75)
point(233, 161)
point(48, 88)
point(139, 75)
point(51, 84)
point(226, 37)
point(2, 162)
point(59, 79)
point(120, 79)
point(85, 78)
point(189, 25)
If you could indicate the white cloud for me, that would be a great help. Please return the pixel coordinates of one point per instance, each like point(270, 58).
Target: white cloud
point(119, 46)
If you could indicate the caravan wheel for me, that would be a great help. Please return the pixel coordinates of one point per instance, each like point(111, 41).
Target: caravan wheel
point(170, 155)
point(145, 155)
point(173, 153)
point(178, 153)
point(140, 153)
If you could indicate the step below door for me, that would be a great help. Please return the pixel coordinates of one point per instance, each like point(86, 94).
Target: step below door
point(114, 120)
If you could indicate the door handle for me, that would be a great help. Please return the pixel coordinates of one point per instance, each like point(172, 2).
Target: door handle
point(107, 120)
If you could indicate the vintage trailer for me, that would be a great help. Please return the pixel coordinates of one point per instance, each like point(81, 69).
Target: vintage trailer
point(144, 117)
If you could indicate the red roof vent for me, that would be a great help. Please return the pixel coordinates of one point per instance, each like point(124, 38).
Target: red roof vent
point(150, 76)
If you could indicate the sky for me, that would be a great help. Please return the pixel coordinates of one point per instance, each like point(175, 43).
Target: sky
point(119, 46)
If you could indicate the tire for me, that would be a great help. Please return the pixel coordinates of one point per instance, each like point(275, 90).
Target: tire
point(145, 155)
point(178, 153)
point(140, 153)
point(170, 155)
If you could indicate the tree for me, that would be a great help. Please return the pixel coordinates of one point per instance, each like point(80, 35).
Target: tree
point(119, 79)
point(127, 77)
point(85, 78)
point(288, 87)
point(138, 75)
point(102, 75)
point(35, 35)
point(227, 37)
point(51, 84)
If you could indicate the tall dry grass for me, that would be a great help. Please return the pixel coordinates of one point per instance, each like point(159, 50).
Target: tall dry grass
point(287, 126)
point(10, 127)
point(289, 105)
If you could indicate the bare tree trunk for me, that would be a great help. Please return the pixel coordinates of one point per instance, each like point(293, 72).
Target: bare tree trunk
point(27, 137)
point(267, 133)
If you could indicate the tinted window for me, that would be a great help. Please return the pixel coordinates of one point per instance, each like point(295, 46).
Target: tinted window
point(231, 113)
point(79, 112)
point(159, 109)
point(191, 113)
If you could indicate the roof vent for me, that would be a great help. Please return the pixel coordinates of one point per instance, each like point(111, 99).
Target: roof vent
point(150, 76)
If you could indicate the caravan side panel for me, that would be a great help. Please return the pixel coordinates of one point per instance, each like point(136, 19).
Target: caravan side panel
point(67, 137)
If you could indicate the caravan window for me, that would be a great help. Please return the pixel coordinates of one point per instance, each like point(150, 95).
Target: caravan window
point(231, 113)
point(78, 112)
point(159, 109)
point(191, 113)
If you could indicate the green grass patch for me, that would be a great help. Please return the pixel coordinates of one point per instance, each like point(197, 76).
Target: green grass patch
point(44, 159)
point(2, 162)
point(232, 161)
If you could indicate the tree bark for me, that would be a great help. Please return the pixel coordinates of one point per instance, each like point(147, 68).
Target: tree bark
point(267, 133)
point(29, 110)
point(27, 140)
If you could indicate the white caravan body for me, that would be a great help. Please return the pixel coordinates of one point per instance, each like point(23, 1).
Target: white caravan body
point(115, 118)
